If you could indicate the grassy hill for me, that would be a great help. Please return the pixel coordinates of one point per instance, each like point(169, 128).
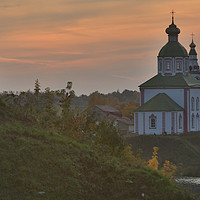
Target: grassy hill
point(180, 149)
point(39, 164)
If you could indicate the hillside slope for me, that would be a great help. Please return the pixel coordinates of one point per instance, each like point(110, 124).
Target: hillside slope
point(41, 164)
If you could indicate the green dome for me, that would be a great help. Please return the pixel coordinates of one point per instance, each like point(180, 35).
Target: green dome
point(173, 49)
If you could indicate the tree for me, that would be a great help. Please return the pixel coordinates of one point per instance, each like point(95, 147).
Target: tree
point(153, 163)
point(37, 87)
point(130, 159)
point(108, 135)
point(169, 169)
point(67, 114)
point(96, 99)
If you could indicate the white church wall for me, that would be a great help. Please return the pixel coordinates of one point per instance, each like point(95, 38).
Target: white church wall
point(168, 122)
point(144, 123)
point(194, 110)
point(188, 110)
point(145, 128)
point(140, 123)
point(176, 94)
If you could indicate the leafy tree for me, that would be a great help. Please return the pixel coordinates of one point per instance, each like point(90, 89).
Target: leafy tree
point(108, 135)
point(169, 169)
point(153, 163)
point(67, 114)
point(37, 87)
point(130, 159)
point(96, 99)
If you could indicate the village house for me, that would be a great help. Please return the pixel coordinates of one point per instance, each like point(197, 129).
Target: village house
point(107, 112)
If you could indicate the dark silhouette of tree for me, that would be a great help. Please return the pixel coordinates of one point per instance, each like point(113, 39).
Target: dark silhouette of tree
point(37, 87)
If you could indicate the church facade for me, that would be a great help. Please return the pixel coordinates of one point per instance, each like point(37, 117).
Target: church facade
point(169, 101)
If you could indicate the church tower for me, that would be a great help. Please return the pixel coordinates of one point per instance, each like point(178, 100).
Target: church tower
point(173, 57)
point(193, 61)
point(169, 101)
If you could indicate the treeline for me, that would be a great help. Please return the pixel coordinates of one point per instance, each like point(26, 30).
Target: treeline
point(126, 101)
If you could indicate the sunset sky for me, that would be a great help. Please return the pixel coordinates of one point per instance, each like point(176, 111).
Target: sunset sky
point(102, 45)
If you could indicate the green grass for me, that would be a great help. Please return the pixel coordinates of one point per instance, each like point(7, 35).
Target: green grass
point(180, 149)
point(34, 160)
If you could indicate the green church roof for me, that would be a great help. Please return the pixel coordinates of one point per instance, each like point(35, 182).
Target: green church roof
point(173, 49)
point(179, 80)
point(160, 102)
point(192, 52)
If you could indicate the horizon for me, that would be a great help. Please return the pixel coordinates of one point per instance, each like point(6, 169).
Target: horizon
point(100, 46)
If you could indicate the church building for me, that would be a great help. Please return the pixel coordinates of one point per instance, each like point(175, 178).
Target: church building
point(169, 101)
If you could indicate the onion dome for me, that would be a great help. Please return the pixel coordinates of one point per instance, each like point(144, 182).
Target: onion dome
point(172, 30)
point(173, 49)
point(192, 50)
point(192, 45)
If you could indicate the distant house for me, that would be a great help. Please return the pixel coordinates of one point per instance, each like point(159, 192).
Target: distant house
point(100, 112)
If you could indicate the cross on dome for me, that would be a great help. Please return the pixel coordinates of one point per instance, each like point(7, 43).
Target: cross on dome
point(172, 12)
point(192, 45)
point(192, 35)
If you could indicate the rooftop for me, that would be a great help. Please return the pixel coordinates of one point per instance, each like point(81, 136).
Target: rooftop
point(173, 49)
point(179, 80)
point(107, 108)
point(160, 102)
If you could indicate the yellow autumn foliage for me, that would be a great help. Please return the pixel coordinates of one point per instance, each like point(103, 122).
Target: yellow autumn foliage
point(130, 159)
point(153, 163)
point(169, 169)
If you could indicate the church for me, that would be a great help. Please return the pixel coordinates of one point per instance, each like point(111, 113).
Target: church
point(169, 101)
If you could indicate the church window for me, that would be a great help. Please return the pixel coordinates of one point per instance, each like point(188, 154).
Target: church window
point(192, 103)
point(180, 121)
point(193, 121)
point(178, 66)
point(167, 65)
point(152, 122)
point(160, 67)
point(197, 103)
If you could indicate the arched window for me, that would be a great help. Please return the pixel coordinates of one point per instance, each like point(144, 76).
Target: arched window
point(152, 122)
point(192, 103)
point(193, 121)
point(178, 66)
point(180, 121)
point(167, 65)
point(197, 103)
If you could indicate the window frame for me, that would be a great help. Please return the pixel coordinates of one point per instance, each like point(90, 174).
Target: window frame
point(192, 104)
point(151, 122)
point(180, 121)
point(197, 103)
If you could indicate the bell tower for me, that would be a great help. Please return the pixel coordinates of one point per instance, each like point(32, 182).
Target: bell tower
point(193, 61)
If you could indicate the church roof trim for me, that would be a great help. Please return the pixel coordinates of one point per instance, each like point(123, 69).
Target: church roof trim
point(179, 80)
point(160, 102)
point(173, 49)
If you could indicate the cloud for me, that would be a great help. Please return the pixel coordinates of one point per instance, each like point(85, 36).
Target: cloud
point(123, 77)
point(100, 44)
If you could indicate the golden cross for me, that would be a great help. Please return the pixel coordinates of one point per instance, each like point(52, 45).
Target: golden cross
point(192, 35)
point(172, 15)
